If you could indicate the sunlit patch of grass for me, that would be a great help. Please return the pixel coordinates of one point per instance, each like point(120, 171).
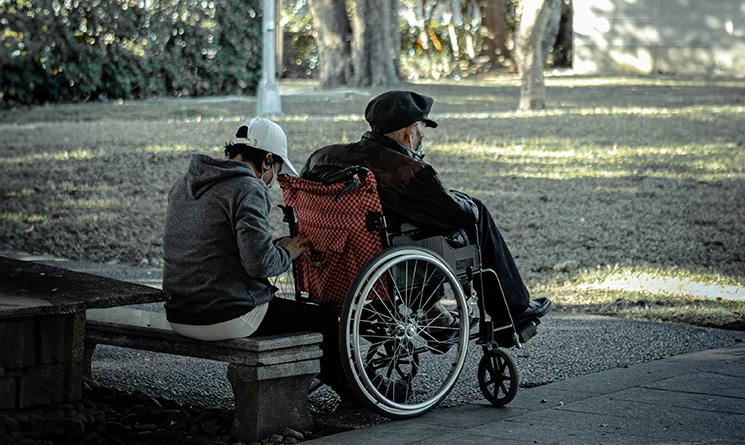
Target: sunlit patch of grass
point(20, 194)
point(561, 159)
point(582, 81)
point(629, 272)
point(75, 188)
point(695, 111)
point(655, 293)
point(24, 218)
point(627, 81)
point(179, 148)
point(97, 217)
point(205, 120)
point(91, 203)
point(293, 118)
point(59, 156)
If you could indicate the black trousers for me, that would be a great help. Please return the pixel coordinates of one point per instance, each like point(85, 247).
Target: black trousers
point(287, 316)
point(496, 255)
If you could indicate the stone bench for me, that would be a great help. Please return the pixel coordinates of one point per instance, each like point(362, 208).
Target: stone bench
point(270, 376)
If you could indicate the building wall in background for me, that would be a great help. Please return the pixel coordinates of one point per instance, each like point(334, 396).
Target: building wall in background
point(660, 36)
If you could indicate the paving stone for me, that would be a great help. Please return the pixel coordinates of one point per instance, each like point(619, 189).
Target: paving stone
point(704, 383)
point(675, 399)
point(398, 432)
point(736, 352)
point(468, 416)
point(619, 379)
point(661, 421)
point(544, 397)
point(558, 425)
point(465, 439)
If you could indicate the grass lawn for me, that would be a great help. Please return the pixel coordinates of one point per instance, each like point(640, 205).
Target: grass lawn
point(625, 197)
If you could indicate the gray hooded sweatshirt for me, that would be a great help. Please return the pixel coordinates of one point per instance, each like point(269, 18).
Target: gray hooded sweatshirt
point(217, 246)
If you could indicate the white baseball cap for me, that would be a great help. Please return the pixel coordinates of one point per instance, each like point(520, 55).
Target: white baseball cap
point(265, 135)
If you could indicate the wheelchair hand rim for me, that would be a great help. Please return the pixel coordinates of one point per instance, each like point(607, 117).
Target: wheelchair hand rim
point(396, 256)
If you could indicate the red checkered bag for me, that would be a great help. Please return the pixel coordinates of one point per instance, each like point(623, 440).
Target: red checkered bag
point(338, 231)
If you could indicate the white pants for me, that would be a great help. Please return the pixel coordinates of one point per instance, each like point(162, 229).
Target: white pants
point(242, 326)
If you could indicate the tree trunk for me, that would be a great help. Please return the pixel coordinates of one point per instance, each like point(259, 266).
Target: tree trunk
point(333, 36)
point(564, 45)
point(395, 38)
point(534, 18)
point(552, 30)
point(374, 53)
point(279, 42)
point(494, 31)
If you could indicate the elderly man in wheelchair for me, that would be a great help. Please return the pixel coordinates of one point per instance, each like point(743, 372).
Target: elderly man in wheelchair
point(406, 260)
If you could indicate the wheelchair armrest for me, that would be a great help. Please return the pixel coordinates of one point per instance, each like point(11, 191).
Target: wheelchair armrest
point(456, 238)
point(406, 228)
point(460, 258)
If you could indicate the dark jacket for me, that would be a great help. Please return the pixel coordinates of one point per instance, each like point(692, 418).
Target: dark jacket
point(217, 244)
point(410, 189)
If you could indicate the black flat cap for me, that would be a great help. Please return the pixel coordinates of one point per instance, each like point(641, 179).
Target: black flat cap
point(394, 110)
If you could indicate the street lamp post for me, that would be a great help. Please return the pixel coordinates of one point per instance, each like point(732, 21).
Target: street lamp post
point(268, 101)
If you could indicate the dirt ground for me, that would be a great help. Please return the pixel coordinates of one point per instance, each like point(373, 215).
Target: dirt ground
point(621, 178)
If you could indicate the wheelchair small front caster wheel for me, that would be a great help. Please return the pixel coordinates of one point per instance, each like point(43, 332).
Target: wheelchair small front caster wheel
point(498, 378)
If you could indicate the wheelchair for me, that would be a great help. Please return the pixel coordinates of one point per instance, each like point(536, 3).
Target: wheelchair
point(399, 359)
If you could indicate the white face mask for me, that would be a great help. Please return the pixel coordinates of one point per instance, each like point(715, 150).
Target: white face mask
point(272, 181)
point(419, 152)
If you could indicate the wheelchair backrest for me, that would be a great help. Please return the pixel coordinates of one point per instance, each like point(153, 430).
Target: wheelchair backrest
point(337, 218)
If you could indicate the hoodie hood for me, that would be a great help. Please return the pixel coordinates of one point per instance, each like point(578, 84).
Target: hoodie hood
point(204, 172)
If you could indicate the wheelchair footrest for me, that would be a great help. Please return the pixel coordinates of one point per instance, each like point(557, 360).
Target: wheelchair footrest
point(526, 329)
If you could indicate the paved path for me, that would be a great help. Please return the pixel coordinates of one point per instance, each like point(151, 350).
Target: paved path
point(692, 398)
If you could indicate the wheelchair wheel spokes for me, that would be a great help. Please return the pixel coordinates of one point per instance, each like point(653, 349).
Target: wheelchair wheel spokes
point(382, 359)
point(397, 357)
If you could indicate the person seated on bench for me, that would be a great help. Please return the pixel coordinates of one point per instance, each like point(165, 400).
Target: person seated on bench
point(218, 249)
point(412, 191)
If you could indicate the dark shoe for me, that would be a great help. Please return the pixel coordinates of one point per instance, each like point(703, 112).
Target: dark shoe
point(443, 337)
point(396, 390)
point(536, 309)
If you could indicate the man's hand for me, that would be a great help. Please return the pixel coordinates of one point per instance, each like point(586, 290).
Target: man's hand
point(295, 246)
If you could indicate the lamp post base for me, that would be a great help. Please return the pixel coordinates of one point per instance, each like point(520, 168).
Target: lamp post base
point(268, 99)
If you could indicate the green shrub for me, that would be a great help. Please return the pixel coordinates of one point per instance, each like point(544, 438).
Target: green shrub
point(74, 50)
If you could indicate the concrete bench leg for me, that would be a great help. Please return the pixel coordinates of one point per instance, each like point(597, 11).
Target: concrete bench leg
point(90, 348)
point(271, 398)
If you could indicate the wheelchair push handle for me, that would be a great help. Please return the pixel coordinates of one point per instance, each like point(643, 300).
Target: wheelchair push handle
point(355, 171)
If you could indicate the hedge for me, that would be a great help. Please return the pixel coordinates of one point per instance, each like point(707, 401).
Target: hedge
point(75, 50)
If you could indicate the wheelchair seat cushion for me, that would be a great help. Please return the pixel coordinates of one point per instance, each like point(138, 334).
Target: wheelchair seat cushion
point(336, 225)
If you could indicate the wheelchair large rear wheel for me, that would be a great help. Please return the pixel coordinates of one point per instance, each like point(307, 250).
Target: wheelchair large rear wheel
point(399, 358)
